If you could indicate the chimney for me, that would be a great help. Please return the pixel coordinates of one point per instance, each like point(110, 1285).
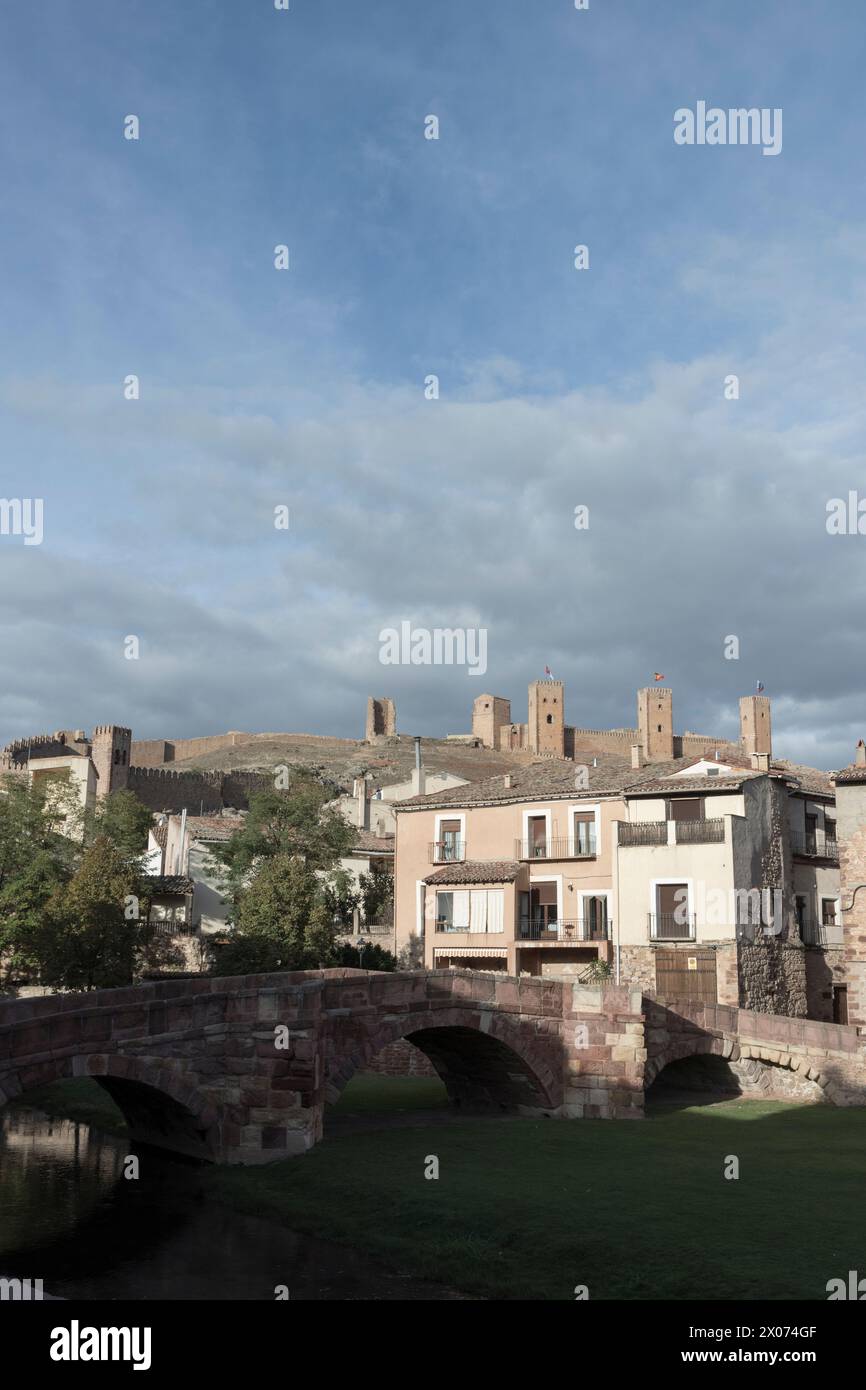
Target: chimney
point(637, 757)
point(506, 781)
point(756, 734)
point(761, 762)
point(419, 778)
point(360, 794)
point(860, 754)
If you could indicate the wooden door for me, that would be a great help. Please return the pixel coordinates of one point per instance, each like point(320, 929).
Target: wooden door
point(686, 975)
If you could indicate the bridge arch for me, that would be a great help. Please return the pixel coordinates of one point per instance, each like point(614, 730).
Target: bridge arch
point(162, 1107)
point(491, 1062)
point(759, 1065)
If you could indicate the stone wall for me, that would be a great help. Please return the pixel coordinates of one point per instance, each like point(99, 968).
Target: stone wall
point(162, 789)
point(773, 977)
point(401, 1059)
point(825, 967)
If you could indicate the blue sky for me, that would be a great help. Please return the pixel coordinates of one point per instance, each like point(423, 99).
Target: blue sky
point(411, 257)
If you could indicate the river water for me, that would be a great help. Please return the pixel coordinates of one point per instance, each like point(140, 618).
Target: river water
point(69, 1217)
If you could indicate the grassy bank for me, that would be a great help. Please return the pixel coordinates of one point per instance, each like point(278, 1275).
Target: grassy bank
point(530, 1209)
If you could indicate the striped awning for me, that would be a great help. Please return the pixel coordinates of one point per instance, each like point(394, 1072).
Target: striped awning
point(471, 951)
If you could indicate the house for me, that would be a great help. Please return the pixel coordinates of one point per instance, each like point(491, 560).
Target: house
point(709, 875)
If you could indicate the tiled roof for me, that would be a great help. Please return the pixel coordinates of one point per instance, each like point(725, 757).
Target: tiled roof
point(554, 779)
point(366, 840)
point(160, 833)
point(214, 827)
point(170, 883)
point(850, 774)
point(505, 871)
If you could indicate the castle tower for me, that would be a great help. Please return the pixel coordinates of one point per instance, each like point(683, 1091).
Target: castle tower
point(381, 718)
point(546, 724)
point(655, 722)
point(489, 713)
point(110, 754)
point(756, 735)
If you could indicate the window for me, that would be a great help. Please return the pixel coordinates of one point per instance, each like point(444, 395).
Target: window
point(550, 719)
point(584, 832)
point(672, 916)
point(537, 836)
point(712, 772)
point(475, 910)
point(595, 918)
point(811, 833)
point(686, 808)
point(448, 849)
point(828, 912)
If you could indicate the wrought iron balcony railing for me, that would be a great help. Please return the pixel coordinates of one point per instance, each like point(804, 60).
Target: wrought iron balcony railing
point(815, 846)
point(447, 852)
point(566, 929)
point(556, 849)
point(671, 926)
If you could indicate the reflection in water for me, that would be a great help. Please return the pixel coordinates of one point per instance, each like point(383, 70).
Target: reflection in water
point(68, 1216)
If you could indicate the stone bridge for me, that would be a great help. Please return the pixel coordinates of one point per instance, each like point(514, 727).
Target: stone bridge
point(772, 1053)
point(239, 1070)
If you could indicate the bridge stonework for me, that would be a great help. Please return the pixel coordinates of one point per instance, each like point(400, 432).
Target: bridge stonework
point(199, 1066)
point(830, 1055)
point(196, 1067)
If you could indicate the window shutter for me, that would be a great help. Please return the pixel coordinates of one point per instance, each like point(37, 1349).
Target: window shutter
point(496, 910)
point(461, 910)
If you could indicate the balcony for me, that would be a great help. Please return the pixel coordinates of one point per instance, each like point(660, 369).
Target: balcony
point(700, 832)
point(815, 847)
point(647, 832)
point(671, 926)
point(446, 852)
point(567, 929)
point(820, 933)
point(553, 849)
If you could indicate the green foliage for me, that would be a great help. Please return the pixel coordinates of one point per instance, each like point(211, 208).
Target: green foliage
point(377, 895)
point(373, 957)
point(296, 822)
point(341, 896)
point(35, 861)
point(125, 823)
point(85, 941)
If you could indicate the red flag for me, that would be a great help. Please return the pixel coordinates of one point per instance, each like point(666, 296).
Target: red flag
point(658, 677)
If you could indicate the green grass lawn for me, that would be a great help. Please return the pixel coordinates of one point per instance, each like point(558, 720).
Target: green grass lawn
point(633, 1209)
point(528, 1209)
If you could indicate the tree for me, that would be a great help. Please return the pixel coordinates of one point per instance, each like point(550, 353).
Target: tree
point(377, 895)
point(373, 956)
point(125, 823)
point(36, 859)
point(296, 822)
point(341, 895)
point(86, 941)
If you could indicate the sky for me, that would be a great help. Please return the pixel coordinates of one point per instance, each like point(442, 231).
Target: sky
point(409, 257)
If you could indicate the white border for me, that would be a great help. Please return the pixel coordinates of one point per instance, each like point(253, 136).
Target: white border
point(584, 806)
point(654, 882)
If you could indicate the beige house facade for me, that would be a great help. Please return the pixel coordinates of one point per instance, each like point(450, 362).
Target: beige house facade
point(711, 877)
